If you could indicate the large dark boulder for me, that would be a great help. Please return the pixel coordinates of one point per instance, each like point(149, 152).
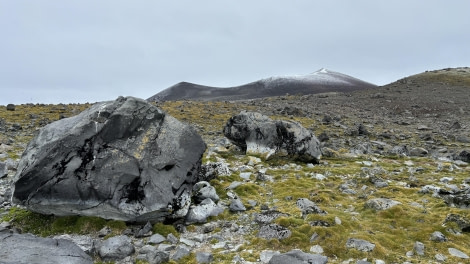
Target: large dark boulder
point(122, 159)
point(258, 134)
point(26, 248)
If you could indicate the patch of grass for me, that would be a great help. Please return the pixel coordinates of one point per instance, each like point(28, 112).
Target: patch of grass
point(164, 230)
point(47, 225)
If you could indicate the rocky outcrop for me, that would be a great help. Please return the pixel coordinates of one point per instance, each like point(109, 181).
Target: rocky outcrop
point(124, 159)
point(258, 134)
point(26, 248)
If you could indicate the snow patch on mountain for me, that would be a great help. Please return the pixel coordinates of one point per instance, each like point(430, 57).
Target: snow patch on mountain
point(321, 77)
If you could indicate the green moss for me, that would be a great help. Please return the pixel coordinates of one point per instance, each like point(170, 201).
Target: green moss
point(46, 225)
point(164, 230)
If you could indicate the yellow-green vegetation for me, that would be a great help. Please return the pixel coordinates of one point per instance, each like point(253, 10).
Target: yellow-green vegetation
point(164, 230)
point(46, 225)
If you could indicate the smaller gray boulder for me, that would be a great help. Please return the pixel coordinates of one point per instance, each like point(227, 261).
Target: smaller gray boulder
point(309, 207)
point(438, 237)
point(116, 248)
point(203, 190)
point(181, 252)
point(204, 257)
point(156, 239)
point(199, 213)
point(274, 231)
point(298, 257)
point(236, 205)
point(360, 244)
point(258, 134)
point(380, 204)
point(457, 253)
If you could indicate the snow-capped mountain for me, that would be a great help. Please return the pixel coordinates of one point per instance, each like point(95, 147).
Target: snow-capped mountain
point(320, 81)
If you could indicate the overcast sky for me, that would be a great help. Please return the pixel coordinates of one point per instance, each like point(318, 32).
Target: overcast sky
point(56, 51)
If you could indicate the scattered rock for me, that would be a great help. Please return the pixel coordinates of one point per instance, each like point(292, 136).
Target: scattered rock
point(116, 248)
point(122, 159)
point(309, 207)
point(236, 205)
point(144, 231)
point(457, 253)
point(268, 217)
point(462, 222)
point(298, 257)
point(438, 237)
point(418, 152)
point(212, 170)
point(379, 204)
point(156, 239)
point(203, 190)
point(274, 231)
point(316, 249)
point(204, 257)
point(86, 243)
point(256, 133)
point(181, 252)
point(440, 258)
point(419, 248)
point(11, 107)
point(26, 248)
point(360, 244)
point(199, 213)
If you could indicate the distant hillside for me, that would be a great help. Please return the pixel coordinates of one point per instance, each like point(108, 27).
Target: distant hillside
point(318, 82)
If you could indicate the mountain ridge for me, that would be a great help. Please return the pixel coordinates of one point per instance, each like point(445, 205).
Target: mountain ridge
point(320, 81)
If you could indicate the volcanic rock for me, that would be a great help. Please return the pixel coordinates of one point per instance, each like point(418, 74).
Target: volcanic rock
point(297, 257)
point(124, 159)
point(26, 248)
point(255, 133)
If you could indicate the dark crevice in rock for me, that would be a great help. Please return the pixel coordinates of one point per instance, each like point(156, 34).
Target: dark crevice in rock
point(134, 191)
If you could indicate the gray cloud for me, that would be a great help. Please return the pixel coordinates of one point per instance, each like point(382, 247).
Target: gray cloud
point(77, 51)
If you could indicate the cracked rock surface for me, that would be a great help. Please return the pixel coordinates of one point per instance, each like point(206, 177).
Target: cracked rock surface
point(26, 248)
point(124, 159)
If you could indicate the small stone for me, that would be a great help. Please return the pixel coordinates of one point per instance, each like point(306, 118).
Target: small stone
point(419, 248)
point(156, 239)
point(245, 175)
point(380, 204)
point(337, 220)
point(314, 237)
point(438, 237)
point(316, 249)
point(171, 238)
point(236, 205)
point(144, 231)
point(116, 248)
point(441, 258)
point(181, 252)
point(11, 107)
point(204, 257)
point(360, 244)
point(266, 255)
point(104, 231)
point(309, 207)
point(457, 253)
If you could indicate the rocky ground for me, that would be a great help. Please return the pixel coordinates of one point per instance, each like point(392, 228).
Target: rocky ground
point(392, 186)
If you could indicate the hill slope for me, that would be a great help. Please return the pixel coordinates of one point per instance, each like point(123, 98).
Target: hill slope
point(318, 82)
